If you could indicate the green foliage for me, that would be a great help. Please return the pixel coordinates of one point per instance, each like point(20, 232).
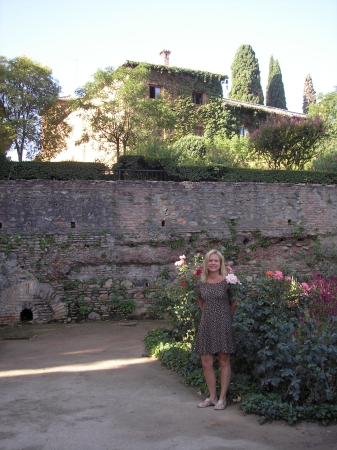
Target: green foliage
point(246, 82)
point(190, 147)
point(326, 162)
point(220, 156)
point(283, 344)
point(69, 170)
point(326, 108)
point(231, 152)
point(287, 142)
point(218, 120)
point(27, 91)
point(150, 154)
point(119, 302)
point(275, 95)
point(5, 166)
point(186, 116)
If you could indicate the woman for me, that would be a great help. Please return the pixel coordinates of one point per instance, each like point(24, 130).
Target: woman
point(215, 334)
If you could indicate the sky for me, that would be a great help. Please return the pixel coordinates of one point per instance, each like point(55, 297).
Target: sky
point(77, 37)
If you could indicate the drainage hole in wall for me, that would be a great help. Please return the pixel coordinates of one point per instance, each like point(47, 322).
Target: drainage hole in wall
point(26, 315)
point(72, 224)
point(0, 224)
point(245, 241)
point(163, 223)
point(147, 285)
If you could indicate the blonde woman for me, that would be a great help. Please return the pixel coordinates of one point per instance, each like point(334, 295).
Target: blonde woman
point(215, 334)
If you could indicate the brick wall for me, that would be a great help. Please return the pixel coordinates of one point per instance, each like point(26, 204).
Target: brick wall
point(64, 244)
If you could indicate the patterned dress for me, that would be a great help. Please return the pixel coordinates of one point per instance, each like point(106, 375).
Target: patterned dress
point(215, 332)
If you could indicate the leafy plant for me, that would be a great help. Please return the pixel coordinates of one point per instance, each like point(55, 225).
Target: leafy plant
point(287, 142)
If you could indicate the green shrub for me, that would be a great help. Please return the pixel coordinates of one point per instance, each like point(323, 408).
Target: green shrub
point(190, 147)
point(68, 170)
point(326, 162)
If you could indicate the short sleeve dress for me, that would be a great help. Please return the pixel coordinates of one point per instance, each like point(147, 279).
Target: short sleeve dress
point(215, 333)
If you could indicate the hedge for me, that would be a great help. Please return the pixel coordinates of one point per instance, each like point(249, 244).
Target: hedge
point(70, 170)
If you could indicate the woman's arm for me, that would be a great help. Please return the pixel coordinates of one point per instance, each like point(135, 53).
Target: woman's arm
point(233, 307)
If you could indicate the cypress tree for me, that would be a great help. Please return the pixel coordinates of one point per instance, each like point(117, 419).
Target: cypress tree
point(309, 94)
point(246, 82)
point(275, 95)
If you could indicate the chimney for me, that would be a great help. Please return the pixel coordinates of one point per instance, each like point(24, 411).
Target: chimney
point(165, 54)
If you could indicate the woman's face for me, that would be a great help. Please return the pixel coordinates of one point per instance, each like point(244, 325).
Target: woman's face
point(213, 263)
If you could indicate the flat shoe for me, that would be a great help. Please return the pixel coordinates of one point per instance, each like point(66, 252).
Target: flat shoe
point(205, 403)
point(221, 404)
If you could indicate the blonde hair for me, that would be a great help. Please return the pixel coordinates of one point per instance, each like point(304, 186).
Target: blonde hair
point(222, 269)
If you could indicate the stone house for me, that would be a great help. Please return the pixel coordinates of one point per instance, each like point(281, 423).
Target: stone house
point(163, 79)
point(171, 82)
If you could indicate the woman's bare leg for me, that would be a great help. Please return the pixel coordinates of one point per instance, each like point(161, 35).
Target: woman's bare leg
point(225, 374)
point(209, 374)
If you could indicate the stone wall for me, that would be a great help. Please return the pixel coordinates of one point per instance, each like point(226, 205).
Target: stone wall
point(70, 247)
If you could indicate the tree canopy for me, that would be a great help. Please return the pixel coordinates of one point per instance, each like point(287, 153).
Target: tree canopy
point(275, 95)
point(119, 109)
point(246, 81)
point(27, 91)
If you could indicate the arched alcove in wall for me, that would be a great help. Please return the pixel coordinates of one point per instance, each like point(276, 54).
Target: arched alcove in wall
point(30, 301)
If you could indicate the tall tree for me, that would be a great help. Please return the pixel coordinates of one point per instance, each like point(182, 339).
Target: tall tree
point(275, 95)
point(309, 94)
point(119, 111)
point(246, 81)
point(27, 90)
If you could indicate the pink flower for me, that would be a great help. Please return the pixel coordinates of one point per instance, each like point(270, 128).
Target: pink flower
point(278, 275)
point(183, 257)
point(306, 287)
point(229, 268)
point(198, 271)
point(183, 284)
point(287, 278)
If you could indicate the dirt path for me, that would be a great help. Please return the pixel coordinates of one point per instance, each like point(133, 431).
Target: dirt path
point(87, 387)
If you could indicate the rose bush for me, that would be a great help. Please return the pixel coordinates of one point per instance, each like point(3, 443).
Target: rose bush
point(285, 365)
